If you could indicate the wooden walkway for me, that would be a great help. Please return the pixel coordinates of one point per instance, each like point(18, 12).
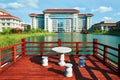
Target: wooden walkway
point(29, 68)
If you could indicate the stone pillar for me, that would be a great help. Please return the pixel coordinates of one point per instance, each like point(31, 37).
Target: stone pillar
point(44, 61)
point(81, 61)
point(68, 70)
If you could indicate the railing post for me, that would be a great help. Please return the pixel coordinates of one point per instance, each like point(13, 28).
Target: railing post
point(95, 47)
point(105, 54)
point(59, 42)
point(77, 48)
point(119, 59)
point(41, 49)
point(14, 53)
point(24, 47)
point(0, 60)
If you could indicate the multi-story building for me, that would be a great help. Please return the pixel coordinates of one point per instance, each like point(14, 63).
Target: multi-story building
point(104, 25)
point(61, 20)
point(8, 20)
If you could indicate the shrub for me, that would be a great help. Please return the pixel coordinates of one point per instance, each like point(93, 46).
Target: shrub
point(6, 30)
point(16, 30)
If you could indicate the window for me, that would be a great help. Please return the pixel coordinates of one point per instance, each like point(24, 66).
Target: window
point(8, 24)
point(3, 24)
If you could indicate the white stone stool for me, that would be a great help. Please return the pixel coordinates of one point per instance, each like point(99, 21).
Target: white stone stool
point(68, 70)
point(44, 61)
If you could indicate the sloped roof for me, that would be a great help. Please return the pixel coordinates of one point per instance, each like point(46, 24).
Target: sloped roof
point(33, 14)
point(7, 15)
point(4, 11)
point(10, 16)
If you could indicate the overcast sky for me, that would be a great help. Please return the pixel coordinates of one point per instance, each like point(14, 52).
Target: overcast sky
point(101, 9)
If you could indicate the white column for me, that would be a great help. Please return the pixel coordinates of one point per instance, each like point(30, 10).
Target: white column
point(102, 27)
point(62, 62)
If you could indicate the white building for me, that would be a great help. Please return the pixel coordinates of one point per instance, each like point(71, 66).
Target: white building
point(61, 20)
point(8, 20)
point(104, 25)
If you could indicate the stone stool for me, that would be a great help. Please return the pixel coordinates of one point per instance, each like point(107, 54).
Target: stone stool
point(44, 61)
point(68, 70)
point(81, 61)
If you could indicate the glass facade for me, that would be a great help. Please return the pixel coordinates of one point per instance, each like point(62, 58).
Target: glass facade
point(41, 22)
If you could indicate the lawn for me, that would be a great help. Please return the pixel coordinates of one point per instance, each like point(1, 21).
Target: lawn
point(8, 39)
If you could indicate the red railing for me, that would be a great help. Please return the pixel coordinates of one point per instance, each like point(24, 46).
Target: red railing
point(11, 54)
point(109, 55)
point(76, 46)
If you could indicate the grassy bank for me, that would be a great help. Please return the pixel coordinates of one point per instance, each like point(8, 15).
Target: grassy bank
point(105, 32)
point(8, 39)
point(115, 33)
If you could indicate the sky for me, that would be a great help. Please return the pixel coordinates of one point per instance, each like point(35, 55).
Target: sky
point(103, 10)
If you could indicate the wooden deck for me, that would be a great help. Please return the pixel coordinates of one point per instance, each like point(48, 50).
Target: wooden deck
point(29, 68)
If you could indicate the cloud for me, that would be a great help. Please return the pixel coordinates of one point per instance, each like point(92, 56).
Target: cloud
point(102, 9)
point(118, 14)
point(107, 19)
point(29, 3)
point(13, 5)
point(20, 4)
point(79, 8)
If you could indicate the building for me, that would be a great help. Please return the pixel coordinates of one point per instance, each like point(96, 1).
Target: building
point(8, 20)
point(118, 24)
point(25, 26)
point(61, 20)
point(104, 25)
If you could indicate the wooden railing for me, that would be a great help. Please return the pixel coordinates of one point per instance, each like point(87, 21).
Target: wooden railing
point(44, 47)
point(11, 54)
point(109, 55)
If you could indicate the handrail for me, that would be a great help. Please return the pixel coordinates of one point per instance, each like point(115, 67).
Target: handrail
point(10, 54)
point(103, 56)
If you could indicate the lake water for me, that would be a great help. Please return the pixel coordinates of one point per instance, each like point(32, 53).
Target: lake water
point(106, 39)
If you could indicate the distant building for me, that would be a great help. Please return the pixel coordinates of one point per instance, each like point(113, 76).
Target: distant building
point(118, 24)
point(8, 20)
point(104, 25)
point(25, 26)
point(61, 20)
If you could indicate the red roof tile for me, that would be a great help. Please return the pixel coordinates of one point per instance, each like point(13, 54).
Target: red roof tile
point(85, 14)
point(33, 14)
point(9, 16)
point(6, 14)
point(61, 10)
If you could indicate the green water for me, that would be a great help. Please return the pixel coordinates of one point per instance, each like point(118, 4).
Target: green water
point(106, 39)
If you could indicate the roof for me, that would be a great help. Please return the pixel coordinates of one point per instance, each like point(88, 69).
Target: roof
point(85, 14)
point(10, 16)
point(105, 23)
point(4, 11)
point(61, 10)
point(33, 14)
point(6, 14)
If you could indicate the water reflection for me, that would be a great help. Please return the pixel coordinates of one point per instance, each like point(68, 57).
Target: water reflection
point(106, 39)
